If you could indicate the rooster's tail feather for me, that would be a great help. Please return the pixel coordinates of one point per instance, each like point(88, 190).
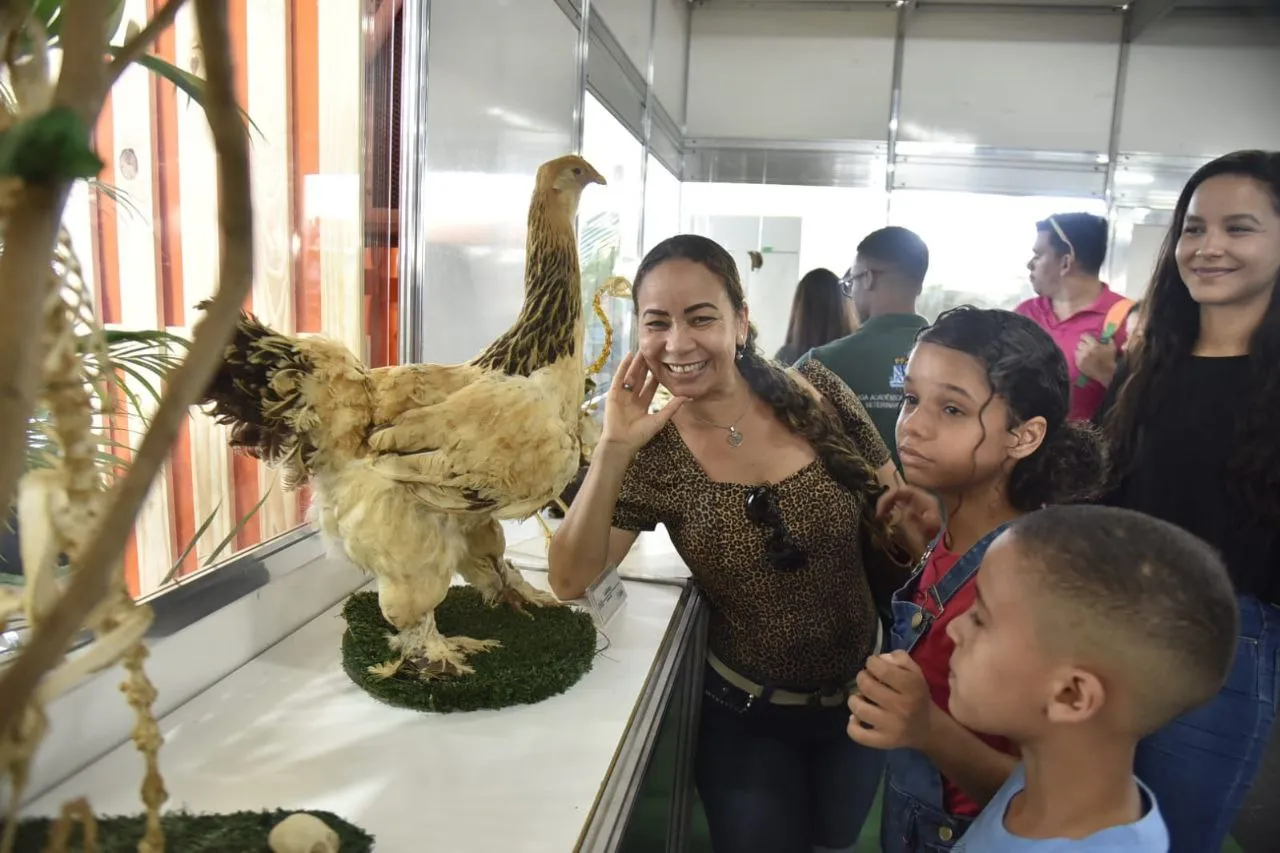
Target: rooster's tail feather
point(257, 391)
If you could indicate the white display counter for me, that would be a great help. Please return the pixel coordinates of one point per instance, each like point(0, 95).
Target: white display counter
point(290, 730)
point(652, 558)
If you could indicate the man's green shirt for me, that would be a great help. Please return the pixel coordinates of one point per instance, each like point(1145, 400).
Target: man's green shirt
point(872, 362)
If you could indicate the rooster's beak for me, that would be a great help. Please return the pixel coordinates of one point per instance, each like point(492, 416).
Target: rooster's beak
point(596, 178)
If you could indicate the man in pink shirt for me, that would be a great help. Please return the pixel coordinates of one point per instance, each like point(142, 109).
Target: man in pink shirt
point(1071, 303)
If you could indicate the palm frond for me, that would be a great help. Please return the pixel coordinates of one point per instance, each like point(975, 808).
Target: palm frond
point(119, 197)
point(191, 545)
point(186, 82)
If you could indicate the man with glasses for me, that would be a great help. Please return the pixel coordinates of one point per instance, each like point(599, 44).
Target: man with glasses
point(1073, 305)
point(884, 282)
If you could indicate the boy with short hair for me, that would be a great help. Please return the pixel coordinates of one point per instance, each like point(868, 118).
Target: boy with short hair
point(1093, 627)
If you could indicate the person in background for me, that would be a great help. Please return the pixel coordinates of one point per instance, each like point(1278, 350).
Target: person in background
point(766, 479)
point(1098, 360)
point(1071, 302)
point(1133, 325)
point(1191, 419)
point(819, 314)
point(883, 284)
point(1092, 627)
point(983, 430)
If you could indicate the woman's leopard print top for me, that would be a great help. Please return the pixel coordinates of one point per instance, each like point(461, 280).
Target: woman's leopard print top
point(800, 630)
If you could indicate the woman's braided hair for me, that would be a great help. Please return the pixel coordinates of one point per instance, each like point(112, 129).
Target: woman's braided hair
point(791, 402)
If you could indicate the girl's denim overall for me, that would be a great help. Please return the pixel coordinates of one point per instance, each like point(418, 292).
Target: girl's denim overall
point(914, 818)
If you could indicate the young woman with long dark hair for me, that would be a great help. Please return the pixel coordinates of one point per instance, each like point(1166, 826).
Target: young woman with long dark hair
point(820, 314)
point(1193, 420)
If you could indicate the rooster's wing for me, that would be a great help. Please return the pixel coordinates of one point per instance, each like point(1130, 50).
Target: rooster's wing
point(500, 444)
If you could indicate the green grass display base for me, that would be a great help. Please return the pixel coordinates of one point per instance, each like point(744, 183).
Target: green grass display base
point(544, 652)
point(235, 832)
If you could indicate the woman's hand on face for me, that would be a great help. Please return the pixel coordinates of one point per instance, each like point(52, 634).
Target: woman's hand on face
point(912, 511)
point(628, 423)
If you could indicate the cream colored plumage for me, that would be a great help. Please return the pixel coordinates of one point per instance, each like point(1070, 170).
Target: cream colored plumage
point(413, 466)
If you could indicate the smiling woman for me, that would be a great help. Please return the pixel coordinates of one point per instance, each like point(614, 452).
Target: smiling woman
point(1201, 390)
point(765, 479)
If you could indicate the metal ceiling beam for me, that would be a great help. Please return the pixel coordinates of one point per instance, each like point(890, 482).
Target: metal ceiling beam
point(905, 10)
point(1143, 13)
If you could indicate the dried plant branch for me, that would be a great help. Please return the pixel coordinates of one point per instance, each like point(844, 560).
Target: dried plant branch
point(138, 45)
point(93, 578)
point(30, 240)
point(82, 80)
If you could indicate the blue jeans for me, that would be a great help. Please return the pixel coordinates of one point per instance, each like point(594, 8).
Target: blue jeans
point(1200, 766)
point(781, 779)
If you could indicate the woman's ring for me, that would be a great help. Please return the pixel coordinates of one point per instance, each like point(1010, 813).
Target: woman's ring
point(626, 386)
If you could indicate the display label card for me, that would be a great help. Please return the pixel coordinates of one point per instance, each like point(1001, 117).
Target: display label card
point(606, 596)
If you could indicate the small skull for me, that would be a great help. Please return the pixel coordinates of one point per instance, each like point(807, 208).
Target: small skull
point(302, 833)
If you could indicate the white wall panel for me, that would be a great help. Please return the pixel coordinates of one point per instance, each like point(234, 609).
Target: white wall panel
point(833, 220)
point(979, 243)
point(503, 78)
point(628, 20)
point(790, 75)
point(1203, 87)
point(671, 56)
point(1140, 259)
point(1010, 80)
point(661, 204)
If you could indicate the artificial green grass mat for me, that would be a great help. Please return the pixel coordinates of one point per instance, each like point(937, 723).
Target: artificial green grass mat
point(235, 832)
point(544, 651)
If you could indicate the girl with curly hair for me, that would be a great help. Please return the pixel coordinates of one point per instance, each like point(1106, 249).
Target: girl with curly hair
point(984, 431)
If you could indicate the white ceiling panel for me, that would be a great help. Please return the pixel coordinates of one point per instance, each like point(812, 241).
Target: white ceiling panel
point(1010, 79)
point(778, 75)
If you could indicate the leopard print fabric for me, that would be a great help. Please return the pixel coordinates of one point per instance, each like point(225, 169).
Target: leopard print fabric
point(804, 630)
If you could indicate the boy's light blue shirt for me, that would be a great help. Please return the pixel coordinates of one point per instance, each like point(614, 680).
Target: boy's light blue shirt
point(988, 835)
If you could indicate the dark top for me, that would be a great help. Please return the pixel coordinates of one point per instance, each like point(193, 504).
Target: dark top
point(1180, 469)
point(787, 354)
point(873, 361)
point(801, 630)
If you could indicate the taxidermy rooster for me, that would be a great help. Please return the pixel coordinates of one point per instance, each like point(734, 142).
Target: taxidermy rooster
point(413, 466)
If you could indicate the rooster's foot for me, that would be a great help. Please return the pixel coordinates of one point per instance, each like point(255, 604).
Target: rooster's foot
point(449, 659)
point(434, 656)
point(517, 597)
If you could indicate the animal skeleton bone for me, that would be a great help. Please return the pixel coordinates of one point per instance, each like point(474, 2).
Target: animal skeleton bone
point(68, 507)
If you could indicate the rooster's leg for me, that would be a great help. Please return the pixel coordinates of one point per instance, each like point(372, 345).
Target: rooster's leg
point(425, 652)
point(498, 581)
point(546, 530)
point(408, 600)
point(517, 592)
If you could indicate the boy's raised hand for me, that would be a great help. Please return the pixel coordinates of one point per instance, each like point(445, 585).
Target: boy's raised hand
point(893, 708)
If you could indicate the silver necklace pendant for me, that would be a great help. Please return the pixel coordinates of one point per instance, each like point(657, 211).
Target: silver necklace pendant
point(735, 437)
